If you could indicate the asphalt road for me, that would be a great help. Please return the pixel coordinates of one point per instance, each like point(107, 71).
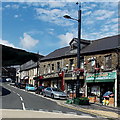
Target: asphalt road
point(15, 98)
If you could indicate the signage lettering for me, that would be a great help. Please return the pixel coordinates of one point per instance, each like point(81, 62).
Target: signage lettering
point(101, 76)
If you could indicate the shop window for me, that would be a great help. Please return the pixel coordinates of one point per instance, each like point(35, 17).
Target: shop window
point(108, 62)
point(52, 67)
point(58, 66)
point(71, 64)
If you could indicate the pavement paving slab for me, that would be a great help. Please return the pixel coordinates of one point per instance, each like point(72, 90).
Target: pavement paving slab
point(106, 113)
point(38, 114)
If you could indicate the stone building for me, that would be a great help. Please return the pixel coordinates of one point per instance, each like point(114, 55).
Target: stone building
point(57, 68)
point(102, 69)
point(28, 71)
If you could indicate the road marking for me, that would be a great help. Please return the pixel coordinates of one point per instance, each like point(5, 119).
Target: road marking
point(18, 94)
point(21, 98)
point(14, 91)
point(23, 105)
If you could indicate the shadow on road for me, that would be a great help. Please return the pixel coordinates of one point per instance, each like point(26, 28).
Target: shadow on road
point(4, 91)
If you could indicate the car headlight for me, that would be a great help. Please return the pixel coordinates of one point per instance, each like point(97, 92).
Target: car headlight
point(56, 94)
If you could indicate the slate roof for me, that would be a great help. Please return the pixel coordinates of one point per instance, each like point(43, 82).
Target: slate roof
point(58, 53)
point(28, 65)
point(107, 43)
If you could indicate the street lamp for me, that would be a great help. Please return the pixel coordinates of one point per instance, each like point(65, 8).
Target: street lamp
point(78, 45)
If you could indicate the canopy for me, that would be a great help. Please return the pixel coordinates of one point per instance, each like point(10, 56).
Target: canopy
point(107, 94)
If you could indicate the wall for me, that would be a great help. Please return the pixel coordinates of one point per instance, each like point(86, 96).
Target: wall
point(100, 60)
point(63, 63)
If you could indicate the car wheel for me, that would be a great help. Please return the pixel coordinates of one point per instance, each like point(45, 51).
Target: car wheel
point(44, 95)
point(52, 96)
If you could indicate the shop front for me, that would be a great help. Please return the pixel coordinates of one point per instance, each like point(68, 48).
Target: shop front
point(70, 84)
point(98, 84)
point(51, 80)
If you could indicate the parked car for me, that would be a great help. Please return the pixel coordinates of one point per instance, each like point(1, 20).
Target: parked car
point(8, 79)
point(12, 83)
point(21, 85)
point(39, 90)
point(30, 87)
point(54, 93)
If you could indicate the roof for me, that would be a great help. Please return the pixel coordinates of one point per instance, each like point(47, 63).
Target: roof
point(81, 41)
point(58, 53)
point(107, 43)
point(28, 65)
point(102, 44)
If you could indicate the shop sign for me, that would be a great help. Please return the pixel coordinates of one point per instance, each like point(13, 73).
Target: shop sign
point(101, 76)
point(51, 75)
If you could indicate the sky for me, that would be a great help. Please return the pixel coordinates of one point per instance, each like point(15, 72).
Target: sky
point(40, 26)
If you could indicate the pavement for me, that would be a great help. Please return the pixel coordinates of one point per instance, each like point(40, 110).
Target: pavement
point(95, 109)
point(37, 114)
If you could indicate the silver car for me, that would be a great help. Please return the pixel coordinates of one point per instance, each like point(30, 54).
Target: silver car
point(54, 93)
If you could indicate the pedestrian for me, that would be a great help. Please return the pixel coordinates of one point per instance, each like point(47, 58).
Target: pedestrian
point(107, 102)
point(104, 101)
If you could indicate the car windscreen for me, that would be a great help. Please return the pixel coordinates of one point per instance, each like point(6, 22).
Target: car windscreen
point(41, 87)
point(56, 89)
point(30, 85)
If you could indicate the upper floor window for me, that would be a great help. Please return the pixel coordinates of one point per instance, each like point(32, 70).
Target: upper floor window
point(108, 62)
point(58, 66)
point(82, 64)
point(52, 67)
point(44, 68)
point(71, 64)
point(48, 68)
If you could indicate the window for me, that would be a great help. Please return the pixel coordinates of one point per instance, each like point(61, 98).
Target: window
point(48, 68)
point(52, 67)
point(44, 69)
point(58, 66)
point(71, 64)
point(49, 89)
point(82, 64)
point(108, 62)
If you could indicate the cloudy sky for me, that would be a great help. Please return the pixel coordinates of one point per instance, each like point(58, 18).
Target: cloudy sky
point(40, 26)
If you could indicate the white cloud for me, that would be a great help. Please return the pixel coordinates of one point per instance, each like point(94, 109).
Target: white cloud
point(54, 16)
point(15, 6)
point(103, 14)
point(27, 41)
point(16, 16)
point(65, 38)
point(7, 6)
point(59, 1)
point(87, 13)
point(6, 43)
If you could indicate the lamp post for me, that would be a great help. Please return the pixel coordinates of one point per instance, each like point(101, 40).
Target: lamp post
point(78, 45)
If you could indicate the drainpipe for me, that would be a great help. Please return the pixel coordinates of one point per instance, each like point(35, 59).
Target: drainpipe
point(116, 91)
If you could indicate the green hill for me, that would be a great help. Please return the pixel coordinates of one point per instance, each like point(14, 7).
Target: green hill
point(13, 56)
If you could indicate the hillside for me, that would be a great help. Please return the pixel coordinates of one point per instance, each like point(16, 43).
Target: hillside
point(13, 56)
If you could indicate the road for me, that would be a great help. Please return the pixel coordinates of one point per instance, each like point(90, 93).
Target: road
point(19, 99)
